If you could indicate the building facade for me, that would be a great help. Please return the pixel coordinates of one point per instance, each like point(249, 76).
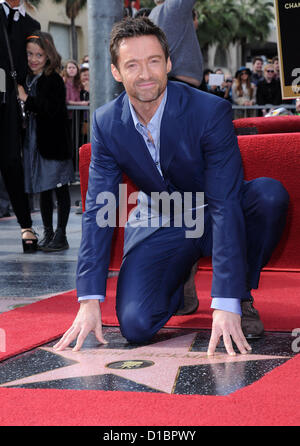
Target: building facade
point(53, 19)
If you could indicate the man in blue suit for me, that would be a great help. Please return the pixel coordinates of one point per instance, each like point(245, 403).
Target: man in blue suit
point(169, 137)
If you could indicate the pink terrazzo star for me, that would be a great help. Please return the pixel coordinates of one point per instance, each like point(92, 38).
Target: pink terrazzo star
point(167, 358)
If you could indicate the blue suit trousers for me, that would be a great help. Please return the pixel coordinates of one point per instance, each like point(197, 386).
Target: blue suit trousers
point(153, 273)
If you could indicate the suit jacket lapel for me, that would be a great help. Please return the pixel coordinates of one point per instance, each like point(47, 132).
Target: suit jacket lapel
point(170, 127)
point(138, 150)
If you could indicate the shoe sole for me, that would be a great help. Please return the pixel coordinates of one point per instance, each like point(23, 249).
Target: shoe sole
point(254, 336)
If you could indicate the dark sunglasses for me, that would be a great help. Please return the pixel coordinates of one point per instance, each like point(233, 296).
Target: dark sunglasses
point(270, 71)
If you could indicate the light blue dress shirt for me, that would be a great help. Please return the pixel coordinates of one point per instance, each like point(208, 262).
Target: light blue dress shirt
point(218, 303)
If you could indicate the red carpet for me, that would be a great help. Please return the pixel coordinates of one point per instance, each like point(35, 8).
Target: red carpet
point(272, 401)
point(278, 300)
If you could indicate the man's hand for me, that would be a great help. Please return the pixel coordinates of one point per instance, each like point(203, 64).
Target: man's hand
point(88, 319)
point(228, 325)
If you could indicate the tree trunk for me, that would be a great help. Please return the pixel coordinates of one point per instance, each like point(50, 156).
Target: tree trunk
point(204, 50)
point(245, 51)
point(74, 40)
point(103, 87)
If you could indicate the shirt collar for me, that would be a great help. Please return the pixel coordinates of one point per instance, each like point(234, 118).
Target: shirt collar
point(156, 118)
point(20, 8)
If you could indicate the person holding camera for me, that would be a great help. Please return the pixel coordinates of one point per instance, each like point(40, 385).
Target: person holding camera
point(17, 25)
point(224, 89)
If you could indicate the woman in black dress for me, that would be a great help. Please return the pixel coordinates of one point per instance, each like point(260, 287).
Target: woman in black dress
point(47, 149)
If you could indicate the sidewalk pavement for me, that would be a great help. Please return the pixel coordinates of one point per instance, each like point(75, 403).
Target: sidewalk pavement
point(28, 278)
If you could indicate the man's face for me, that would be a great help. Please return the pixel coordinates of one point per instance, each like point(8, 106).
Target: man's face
point(13, 3)
point(142, 68)
point(257, 67)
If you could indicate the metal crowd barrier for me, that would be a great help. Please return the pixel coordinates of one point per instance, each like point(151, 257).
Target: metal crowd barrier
point(80, 123)
point(248, 111)
point(79, 118)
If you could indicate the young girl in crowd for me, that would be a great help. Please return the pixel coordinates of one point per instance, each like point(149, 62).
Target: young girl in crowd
point(71, 76)
point(47, 147)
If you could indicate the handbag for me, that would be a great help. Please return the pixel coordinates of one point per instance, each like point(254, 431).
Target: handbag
point(13, 72)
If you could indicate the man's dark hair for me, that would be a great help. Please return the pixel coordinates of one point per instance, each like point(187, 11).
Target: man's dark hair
point(257, 58)
point(135, 27)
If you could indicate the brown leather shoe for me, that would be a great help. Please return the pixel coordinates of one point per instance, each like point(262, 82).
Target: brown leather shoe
point(191, 302)
point(252, 325)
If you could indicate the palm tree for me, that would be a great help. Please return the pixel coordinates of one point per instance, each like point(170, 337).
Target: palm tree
point(255, 17)
point(230, 21)
point(73, 7)
point(218, 23)
point(147, 4)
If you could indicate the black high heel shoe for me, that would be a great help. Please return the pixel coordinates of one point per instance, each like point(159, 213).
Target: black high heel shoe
point(29, 244)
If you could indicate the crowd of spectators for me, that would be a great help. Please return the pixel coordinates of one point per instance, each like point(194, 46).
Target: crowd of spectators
point(249, 87)
point(76, 77)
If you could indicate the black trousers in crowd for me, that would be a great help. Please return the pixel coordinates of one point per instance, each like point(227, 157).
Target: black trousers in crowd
point(11, 161)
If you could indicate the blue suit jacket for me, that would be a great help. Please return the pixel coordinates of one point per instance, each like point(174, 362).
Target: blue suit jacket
point(198, 153)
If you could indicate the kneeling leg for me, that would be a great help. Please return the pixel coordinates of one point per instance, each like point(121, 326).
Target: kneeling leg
point(150, 284)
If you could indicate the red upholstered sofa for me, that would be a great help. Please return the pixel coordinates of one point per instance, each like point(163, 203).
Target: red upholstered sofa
point(262, 125)
point(270, 155)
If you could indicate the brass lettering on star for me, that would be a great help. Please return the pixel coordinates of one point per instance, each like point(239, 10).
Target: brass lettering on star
point(292, 5)
point(144, 353)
